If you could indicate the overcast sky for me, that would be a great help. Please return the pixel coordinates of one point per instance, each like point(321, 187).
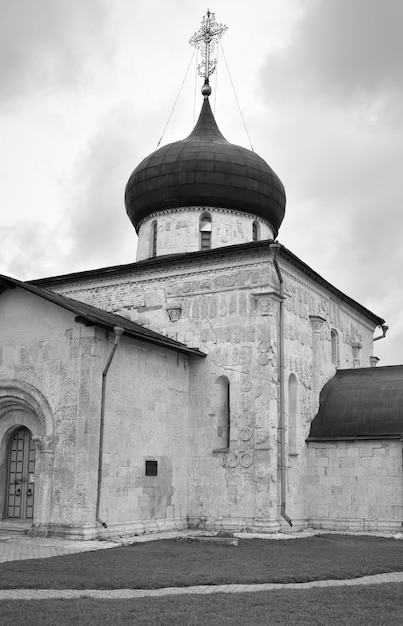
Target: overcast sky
point(86, 88)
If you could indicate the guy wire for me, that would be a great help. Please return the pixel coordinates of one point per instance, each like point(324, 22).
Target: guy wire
point(236, 97)
point(177, 98)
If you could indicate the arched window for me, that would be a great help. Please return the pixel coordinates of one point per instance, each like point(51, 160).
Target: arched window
point(255, 231)
point(292, 415)
point(154, 228)
point(205, 231)
point(222, 412)
point(334, 338)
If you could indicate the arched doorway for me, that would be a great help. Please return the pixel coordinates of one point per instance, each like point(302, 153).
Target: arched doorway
point(20, 488)
point(27, 443)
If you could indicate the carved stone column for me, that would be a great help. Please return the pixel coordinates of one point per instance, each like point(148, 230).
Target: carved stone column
point(266, 458)
point(317, 324)
point(45, 447)
point(356, 347)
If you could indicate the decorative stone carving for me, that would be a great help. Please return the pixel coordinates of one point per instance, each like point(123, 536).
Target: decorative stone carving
point(306, 414)
point(246, 385)
point(221, 282)
point(262, 440)
point(45, 444)
point(232, 460)
point(356, 347)
point(265, 301)
point(246, 460)
point(274, 375)
point(267, 353)
point(245, 434)
point(174, 314)
point(317, 323)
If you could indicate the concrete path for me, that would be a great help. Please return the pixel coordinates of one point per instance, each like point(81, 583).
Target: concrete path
point(117, 594)
point(21, 547)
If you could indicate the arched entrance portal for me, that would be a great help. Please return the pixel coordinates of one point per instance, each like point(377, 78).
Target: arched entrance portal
point(20, 486)
point(27, 445)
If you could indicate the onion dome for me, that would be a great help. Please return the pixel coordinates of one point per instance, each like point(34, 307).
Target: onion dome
point(205, 170)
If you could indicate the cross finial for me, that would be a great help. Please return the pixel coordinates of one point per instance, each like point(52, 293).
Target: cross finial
point(205, 39)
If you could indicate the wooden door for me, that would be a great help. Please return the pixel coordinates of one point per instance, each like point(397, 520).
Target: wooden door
point(21, 476)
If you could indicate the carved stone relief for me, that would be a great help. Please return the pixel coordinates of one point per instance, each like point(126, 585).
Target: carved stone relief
point(174, 314)
point(222, 282)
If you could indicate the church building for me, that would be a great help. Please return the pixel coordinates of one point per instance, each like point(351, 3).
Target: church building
point(218, 382)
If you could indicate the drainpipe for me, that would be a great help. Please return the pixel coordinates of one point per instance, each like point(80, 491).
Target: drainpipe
point(118, 332)
point(275, 247)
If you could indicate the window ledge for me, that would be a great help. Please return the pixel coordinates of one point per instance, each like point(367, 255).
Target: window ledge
point(218, 450)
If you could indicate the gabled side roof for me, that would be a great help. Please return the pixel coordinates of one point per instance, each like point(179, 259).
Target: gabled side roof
point(365, 403)
point(91, 315)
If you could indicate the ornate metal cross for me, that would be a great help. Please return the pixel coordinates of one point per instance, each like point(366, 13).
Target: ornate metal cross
point(205, 39)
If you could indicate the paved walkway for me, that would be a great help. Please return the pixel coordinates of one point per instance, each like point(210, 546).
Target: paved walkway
point(117, 594)
point(21, 547)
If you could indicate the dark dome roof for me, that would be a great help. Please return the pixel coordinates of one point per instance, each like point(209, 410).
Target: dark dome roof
point(205, 170)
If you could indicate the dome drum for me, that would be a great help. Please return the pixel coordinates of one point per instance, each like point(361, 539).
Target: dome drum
point(179, 230)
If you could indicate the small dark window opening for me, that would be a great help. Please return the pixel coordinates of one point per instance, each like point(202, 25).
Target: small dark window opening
point(228, 418)
point(255, 231)
point(151, 468)
point(205, 231)
point(154, 238)
point(335, 347)
point(223, 413)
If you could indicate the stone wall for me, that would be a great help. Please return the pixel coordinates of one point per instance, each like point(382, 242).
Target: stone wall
point(228, 306)
point(43, 350)
point(46, 355)
point(355, 485)
point(146, 419)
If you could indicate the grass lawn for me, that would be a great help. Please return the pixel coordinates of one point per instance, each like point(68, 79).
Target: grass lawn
point(169, 563)
point(350, 606)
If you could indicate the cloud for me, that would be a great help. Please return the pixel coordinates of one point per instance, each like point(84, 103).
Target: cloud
point(341, 49)
point(334, 93)
point(29, 245)
point(48, 43)
point(99, 228)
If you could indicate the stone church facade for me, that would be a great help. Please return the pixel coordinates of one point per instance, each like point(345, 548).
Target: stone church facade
point(181, 391)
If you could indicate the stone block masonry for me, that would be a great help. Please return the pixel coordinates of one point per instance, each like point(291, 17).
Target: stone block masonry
point(356, 485)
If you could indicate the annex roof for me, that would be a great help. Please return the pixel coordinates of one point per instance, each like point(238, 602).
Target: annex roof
point(91, 315)
point(365, 403)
